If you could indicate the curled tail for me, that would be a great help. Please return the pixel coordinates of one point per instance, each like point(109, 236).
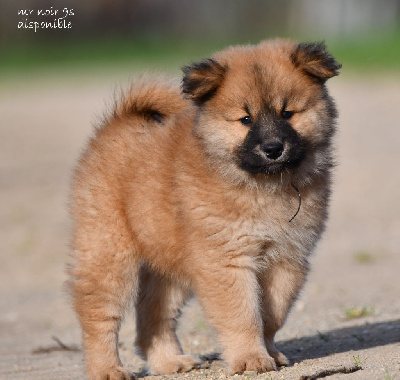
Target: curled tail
point(152, 99)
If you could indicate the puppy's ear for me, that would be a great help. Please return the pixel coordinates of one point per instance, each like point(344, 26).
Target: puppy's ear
point(202, 79)
point(315, 60)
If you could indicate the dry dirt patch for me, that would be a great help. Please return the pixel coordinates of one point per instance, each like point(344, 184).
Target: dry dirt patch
point(356, 268)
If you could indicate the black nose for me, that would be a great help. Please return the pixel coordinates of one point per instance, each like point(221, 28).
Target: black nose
point(273, 150)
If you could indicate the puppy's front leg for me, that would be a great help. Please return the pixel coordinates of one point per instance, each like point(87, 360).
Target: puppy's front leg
point(228, 295)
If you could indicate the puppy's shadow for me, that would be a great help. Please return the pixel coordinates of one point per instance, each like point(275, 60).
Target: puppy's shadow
point(345, 339)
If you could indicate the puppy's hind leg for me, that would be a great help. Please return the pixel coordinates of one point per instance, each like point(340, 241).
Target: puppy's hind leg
point(280, 285)
point(103, 280)
point(157, 309)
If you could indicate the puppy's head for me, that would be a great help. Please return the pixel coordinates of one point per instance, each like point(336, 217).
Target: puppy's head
point(264, 110)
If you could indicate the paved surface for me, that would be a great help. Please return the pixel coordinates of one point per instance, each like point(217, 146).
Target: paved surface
point(43, 125)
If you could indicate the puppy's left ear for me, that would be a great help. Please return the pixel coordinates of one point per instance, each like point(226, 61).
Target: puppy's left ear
point(202, 79)
point(315, 61)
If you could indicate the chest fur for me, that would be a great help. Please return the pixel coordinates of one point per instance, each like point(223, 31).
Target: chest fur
point(258, 226)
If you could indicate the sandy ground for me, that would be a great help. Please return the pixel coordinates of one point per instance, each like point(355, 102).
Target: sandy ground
point(43, 126)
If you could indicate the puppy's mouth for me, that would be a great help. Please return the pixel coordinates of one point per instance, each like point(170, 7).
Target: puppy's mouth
point(273, 157)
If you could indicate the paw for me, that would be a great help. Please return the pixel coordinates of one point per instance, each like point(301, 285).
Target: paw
point(258, 363)
point(177, 363)
point(116, 373)
point(280, 359)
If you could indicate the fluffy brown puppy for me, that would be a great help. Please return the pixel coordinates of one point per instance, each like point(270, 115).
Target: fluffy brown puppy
point(193, 193)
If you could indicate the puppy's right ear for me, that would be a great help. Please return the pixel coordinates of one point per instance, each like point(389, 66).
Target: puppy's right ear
point(202, 79)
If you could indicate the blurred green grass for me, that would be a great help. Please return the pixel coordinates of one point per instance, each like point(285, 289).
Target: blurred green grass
point(378, 52)
point(105, 52)
point(375, 53)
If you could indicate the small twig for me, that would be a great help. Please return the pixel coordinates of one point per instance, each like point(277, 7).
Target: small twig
point(330, 372)
point(298, 208)
point(61, 344)
point(61, 347)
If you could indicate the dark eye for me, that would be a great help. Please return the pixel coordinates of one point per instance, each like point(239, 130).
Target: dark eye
point(287, 114)
point(247, 120)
